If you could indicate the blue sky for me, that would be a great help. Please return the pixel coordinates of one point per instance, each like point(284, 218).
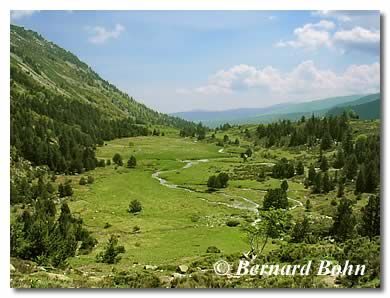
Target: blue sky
point(215, 60)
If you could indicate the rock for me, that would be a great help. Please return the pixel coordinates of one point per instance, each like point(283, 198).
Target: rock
point(150, 267)
point(12, 268)
point(183, 268)
point(177, 275)
point(55, 276)
point(166, 279)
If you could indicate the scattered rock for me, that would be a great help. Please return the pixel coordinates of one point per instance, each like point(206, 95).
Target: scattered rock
point(150, 267)
point(55, 276)
point(177, 275)
point(182, 268)
point(166, 279)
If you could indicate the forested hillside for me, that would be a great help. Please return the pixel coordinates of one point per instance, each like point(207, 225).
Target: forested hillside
point(61, 108)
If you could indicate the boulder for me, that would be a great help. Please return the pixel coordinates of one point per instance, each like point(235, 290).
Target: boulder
point(150, 267)
point(182, 268)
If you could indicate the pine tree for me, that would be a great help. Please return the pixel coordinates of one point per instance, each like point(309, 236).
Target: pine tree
point(340, 159)
point(361, 181)
point(300, 168)
point(284, 185)
point(344, 222)
point(324, 166)
point(351, 167)
point(371, 177)
point(326, 141)
point(311, 175)
point(326, 183)
point(117, 159)
point(340, 189)
point(132, 162)
point(317, 186)
point(371, 218)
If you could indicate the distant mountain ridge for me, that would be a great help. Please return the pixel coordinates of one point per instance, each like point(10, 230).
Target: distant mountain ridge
point(288, 111)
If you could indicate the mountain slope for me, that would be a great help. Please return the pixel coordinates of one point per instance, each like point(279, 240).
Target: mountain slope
point(61, 108)
point(366, 111)
point(272, 113)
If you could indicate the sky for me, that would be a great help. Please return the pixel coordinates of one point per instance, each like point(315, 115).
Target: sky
point(217, 60)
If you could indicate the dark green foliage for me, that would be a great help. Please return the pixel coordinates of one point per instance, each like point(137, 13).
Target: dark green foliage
point(361, 180)
point(232, 222)
point(132, 162)
point(318, 184)
point(83, 181)
point(344, 222)
point(65, 190)
point(117, 159)
point(90, 179)
point(340, 189)
point(284, 185)
point(213, 249)
point(248, 152)
point(135, 206)
point(218, 181)
point(111, 253)
point(371, 218)
point(283, 169)
point(326, 141)
point(275, 198)
point(340, 159)
point(324, 166)
point(308, 205)
point(37, 236)
point(311, 175)
point(365, 252)
point(301, 231)
point(351, 166)
point(300, 169)
point(326, 183)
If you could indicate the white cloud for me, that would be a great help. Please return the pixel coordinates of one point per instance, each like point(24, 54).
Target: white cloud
point(20, 14)
point(305, 81)
point(351, 18)
point(310, 36)
point(100, 34)
point(359, 38)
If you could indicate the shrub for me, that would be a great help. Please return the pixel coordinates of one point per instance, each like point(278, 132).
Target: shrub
point(117, 159)
point(135, 206)
point(232, 223)
point(90, 179)
point(107, 225)
point(111, 253)
point(213, 249)
point(83, 181)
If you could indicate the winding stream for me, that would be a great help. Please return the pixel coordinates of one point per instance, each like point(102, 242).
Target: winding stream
point(236, 204)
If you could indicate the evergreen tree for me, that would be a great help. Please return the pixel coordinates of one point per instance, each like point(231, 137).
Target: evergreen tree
point(340, 189)
point(351, 167)
point(135, 206)
point(326, 183)
point(111, 253)
point(324, 166)
point(275, 198)
point(371, 177)
point(300, 231)
point(117, 159)
point(317, 186)
point(312, 174)
point(326, 141)
point(284, 185)
point(132, 162)
point(340, 159)
point(344, 222)
point(361, 180)
point(371, 218)
point(300, 168)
